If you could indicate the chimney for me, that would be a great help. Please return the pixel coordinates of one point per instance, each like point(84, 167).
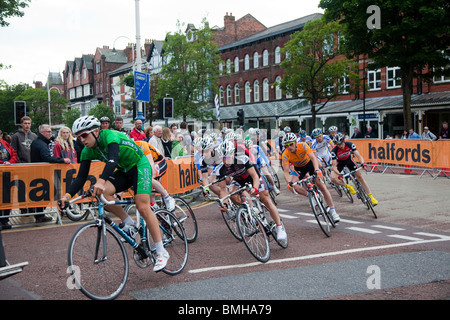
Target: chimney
point(230, 24)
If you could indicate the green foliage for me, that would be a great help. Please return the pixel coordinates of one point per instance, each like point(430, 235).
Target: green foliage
point(413, 34)
point(191, 73)
point(8, 95)
point(313, 66)
point(70, 116)
point(11, 8)
point(102, 110)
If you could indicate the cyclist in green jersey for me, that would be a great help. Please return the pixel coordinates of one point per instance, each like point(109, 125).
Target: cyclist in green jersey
point(126, 166)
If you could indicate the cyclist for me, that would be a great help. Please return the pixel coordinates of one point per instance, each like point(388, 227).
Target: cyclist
point(304, 160)
point(126, 166)
point(322, 145)
point(303, 137)
point(243, 171)
point(206, 162)
point(333, 130)
point(341, 157)
point(159, 168)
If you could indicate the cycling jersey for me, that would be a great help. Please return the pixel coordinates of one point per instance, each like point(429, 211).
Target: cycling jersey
point(298, 159)
point(322, 150)
point(343, 154)
point(308, 140)
point(147, 148)
point(130, 153)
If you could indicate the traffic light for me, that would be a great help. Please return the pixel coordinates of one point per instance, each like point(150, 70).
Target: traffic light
point(241, 117)
point(20, 110)
point(168, 108)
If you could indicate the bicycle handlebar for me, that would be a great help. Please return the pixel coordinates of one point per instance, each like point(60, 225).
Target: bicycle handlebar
point(248, 186)
point(344, 175)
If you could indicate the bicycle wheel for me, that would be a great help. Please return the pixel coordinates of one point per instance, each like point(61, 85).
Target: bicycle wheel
point(337, 189)
point(347, 193)
point(253, 234)
point(320, 213)
point(230, 218)
point(174, 241)
point(186, 216)
point(366, 199)
point(99, 275)
point(275, 177)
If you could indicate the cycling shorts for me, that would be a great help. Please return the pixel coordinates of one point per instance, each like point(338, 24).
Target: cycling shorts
point(349, 163)
point(139, 178)
point(301, 172)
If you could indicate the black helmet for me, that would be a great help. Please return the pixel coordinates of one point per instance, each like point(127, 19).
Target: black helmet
point(338, 138)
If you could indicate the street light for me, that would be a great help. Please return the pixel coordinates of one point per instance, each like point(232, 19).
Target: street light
point(49, 99)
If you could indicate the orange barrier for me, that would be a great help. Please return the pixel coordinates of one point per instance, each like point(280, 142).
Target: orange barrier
point(41, 185)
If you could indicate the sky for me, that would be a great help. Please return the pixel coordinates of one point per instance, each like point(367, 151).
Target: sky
point(55, 31)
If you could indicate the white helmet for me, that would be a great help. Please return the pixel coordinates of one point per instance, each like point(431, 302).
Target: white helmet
point(198, 142)
point(206, 143)
point(226, 148)
point(289, 137)
point(230, 136)
point(248, 143)
point(332, 128)
point(84, 123)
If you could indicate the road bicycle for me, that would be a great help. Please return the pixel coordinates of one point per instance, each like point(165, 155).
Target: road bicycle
point(254, 224)
point(98, 260)
point(360, 192)
point(182, 211)
point(317, 203)
point(77, 211)
point(326, 171)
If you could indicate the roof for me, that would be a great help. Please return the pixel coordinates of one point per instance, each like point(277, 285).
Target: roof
point(286, 27)
point(116, 56)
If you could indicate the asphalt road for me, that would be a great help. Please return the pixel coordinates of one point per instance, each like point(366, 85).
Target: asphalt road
point(404, 254)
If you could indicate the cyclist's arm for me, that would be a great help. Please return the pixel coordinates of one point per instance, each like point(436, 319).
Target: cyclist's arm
point(255, 177)
point(334, 168)
point(286, 172)
point(359, 156)
point(79, 181)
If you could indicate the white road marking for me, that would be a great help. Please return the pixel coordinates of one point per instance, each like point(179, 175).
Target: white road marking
point(388, 228)
point(398, 236)
point(287, 216)
point(365, 230)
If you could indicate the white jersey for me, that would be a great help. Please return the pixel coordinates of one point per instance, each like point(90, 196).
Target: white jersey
point(322, 149)
point(308, 140)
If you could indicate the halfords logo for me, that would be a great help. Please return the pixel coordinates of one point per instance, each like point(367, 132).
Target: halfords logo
point(419, 154)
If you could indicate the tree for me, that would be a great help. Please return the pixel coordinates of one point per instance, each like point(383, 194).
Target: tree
point(102, 110)
point(7, 96)
point(37, 102)
point(190, 74)
point(11, 8)
point(70, 116)
point(313, 66)
point(414, 35)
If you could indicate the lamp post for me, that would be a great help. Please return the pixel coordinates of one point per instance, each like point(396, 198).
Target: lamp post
point(140, 114)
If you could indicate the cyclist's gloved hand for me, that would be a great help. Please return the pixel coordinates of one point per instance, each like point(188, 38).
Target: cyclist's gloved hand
point(319, 174)
point(290, 186)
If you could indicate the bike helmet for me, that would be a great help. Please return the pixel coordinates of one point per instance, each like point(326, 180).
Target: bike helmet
point(338, 138)
point(206, 143)
point(213, 136)
point(288, 138)
point(248, 143)
point(287, 129)
point(85, 123)
point(316, 132)
point(302, 133)
point(282, 134)
point(197, 142)
point(226, 148)
point(332, 128)
point(104, 119)
point(231, 136)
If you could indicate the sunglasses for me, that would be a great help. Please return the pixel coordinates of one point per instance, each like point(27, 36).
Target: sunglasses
point(289, 144)
point(85, 134)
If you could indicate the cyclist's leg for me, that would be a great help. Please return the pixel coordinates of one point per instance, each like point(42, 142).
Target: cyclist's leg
point(295, 176)
point(108, 193)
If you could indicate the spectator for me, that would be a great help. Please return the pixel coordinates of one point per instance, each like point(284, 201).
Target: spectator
point(357, 134)
point(104, 123)
point(64, 146)
point(173, 130)
point(428, 135)
point(166, 140)
point(40, 153)
point(118, 125)
point(404, 135)
point(137, 134)
point(370, 134)
point(155, 140)
point(177, 147)
point(388, 137)
point(187, 140)
point(7, 156)
point(444, 131)
point(148, 133)
point(22, 139)
point(413, 135)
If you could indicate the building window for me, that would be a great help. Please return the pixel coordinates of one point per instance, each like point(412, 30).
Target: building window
point(97, 67)
point(221, 97)
point(229, 95)
point(220, 68)
point(77, 76)
point(255, 60)
point(246, 62)
point(228, 66)
point(256, 91)
point(278, 92)
point(374, 79)
point(266, 89)
point(265, 58)
point(84, 73)
point(236, 94)
point(393, 78)
point(277, 55)
point(236, 64)
point(344, 84)
point(247, 92)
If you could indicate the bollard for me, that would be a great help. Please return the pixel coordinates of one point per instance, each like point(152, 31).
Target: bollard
point(2, 251)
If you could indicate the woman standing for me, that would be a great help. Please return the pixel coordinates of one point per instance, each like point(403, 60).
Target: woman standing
point(166, 140)
point(64, 146)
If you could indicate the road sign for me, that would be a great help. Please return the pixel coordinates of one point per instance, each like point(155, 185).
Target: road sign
point(142, 86)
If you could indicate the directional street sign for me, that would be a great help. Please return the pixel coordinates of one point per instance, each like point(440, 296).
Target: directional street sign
point(142, 86)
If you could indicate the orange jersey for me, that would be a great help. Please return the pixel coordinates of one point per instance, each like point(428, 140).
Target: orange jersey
point(147, 148)
point(298, 159)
